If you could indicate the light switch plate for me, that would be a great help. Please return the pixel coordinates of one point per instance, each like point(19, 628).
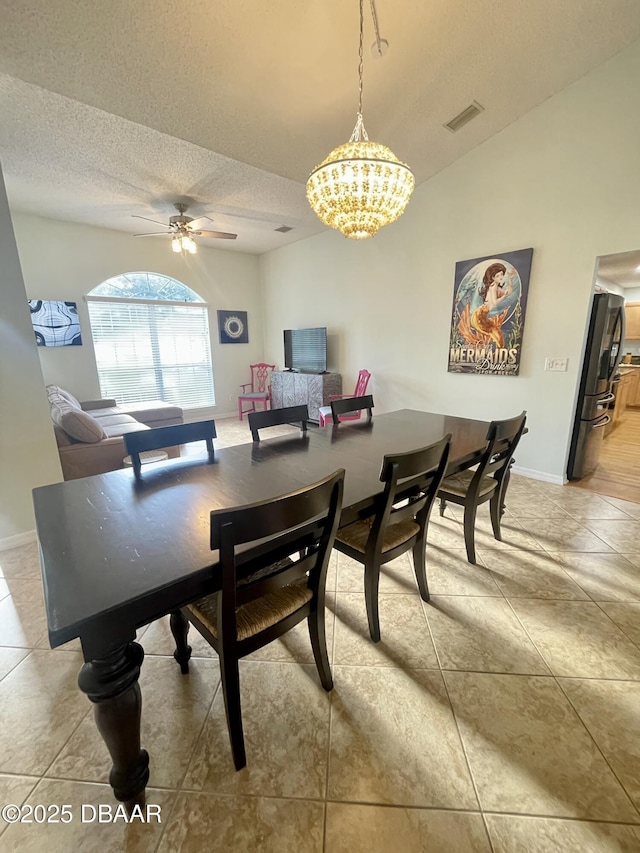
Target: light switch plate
point(556, 364)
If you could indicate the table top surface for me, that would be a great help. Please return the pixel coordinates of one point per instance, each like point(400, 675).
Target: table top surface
point(113, 547)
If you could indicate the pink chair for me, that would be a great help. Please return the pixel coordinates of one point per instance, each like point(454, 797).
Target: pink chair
point(260, 386)
point(361, 386)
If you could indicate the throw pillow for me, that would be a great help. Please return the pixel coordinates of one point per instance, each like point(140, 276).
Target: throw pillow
point(78, 424)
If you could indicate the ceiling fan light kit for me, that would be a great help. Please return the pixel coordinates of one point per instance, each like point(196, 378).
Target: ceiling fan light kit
point(361, 185)
point(182, 230)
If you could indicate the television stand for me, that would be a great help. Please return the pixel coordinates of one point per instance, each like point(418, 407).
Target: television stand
point(295, 389)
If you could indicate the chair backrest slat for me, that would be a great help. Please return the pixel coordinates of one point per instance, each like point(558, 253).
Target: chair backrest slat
point(502, 440)
point(261, 376)
point(361, 384)
point(303, 522)
point(275, 417)
point(169, 436)
point(351, 404)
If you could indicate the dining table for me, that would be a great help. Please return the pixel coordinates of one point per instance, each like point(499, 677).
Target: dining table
point(118, 552)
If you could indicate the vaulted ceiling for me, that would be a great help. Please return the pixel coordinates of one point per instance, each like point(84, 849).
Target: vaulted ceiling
point(114, 108)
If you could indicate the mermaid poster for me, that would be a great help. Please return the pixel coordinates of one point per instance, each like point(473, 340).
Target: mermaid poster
point(489, 304)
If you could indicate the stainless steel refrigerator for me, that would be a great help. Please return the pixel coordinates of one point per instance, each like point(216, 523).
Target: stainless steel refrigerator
point(601, 359)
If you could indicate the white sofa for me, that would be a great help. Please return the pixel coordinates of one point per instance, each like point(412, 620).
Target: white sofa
point(90, 434)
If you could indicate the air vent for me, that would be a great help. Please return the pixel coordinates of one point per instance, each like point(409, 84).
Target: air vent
point(465, 116)
point(284, 228)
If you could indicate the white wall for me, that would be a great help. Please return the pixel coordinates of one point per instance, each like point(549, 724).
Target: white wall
point(564, 180)
point(64, 261)
point(28, 455)
point(632, 294)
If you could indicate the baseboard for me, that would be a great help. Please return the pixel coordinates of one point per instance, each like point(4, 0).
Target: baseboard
point(539, 475)
point(19, 539)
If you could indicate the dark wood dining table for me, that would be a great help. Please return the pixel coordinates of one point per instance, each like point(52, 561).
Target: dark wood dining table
point(119, 552)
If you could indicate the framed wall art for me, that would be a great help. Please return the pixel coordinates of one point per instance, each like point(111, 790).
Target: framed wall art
point(55, 323)
point(489, 306)
point(233, 327)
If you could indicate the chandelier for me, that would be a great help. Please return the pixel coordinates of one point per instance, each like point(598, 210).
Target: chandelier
point(182, 241)
point(361, 185)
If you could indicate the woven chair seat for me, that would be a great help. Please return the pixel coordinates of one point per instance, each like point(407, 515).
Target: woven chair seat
point(459, 484)
point(255, 616)
point(357, 534)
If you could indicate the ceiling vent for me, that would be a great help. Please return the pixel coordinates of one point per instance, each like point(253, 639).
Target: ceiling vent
point(465, 116)
point(284, 228)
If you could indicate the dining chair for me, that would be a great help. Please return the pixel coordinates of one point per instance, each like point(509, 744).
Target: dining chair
point(324, 416)
point(170, 436)
point(277, 417)
point(488, 482)
point(260, 386)
point(351, 404)
point(267, 588)
point(411, 481)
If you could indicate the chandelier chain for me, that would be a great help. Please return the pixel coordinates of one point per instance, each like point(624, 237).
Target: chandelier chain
point(374, 15)
point(360, 65)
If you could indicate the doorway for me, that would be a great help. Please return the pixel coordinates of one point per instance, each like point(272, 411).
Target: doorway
point(617, 473)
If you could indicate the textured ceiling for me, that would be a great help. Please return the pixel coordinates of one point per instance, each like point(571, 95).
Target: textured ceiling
point(622, 269)
point(272, 86)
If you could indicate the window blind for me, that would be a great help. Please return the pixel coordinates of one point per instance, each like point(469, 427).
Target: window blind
point(153, 351)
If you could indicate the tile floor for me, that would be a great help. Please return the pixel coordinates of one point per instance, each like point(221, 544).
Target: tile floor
point(504, 715)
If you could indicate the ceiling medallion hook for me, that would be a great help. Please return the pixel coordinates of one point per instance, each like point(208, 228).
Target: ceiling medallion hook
point(361, 186)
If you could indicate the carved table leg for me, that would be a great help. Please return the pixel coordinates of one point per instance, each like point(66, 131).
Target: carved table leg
point(112, 684)
point(505, 486)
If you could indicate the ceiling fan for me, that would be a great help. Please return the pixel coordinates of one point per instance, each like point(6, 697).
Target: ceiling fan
point(182, 230)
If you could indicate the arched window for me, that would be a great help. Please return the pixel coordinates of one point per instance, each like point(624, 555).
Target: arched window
point(151, 339)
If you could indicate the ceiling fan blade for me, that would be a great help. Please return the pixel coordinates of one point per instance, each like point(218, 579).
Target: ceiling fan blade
point(157, 221)
point(222, 235)
point(154, 234)
point(200, 219)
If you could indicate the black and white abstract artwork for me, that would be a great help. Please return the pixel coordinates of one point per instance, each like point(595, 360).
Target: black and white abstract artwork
point(233, 327)
point(55, 323)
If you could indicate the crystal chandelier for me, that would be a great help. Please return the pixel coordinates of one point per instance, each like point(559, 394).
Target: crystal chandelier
point(361, 185)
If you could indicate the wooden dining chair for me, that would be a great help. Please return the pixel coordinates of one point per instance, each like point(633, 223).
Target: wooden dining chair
point(324, 412)
point(258, 390)
point(170, 436)
point(267, 588)
point(351, 404)
point(488, 482)
point(411, 481)
point(277, 417)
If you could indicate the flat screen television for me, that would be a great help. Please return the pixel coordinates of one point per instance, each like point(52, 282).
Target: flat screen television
point(305, 350)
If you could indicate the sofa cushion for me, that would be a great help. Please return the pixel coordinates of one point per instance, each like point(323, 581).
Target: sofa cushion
point(76, 423)
point(152, 411)
point(55, 390)
point(122, 428)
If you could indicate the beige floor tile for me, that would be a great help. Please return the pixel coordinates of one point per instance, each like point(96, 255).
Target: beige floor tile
point(14, 790)
point(174, 708)
point(446, 531)
point(628, 507)
point(4, 589)
point(577, 639)
point(88, 836)
point(9, 658)
point(40, 706)
point(528, 751)
point(566, 534)
point(203, 822)
point(394, 740)
point(514, 536)
point(395, 577)
point(450, 573)
point(611, 712)
point(71, 646)
point(405, 639)
point(332, 571)
point(584, 505)
point(285, 715)
point(605, 577)
point(524, 507)
point(21, 562)
point(23, 622)
point(530, 574)
point(481, 634)
point(622, 536)
point(626, 617)
point(544, 835)
point(368, 829)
